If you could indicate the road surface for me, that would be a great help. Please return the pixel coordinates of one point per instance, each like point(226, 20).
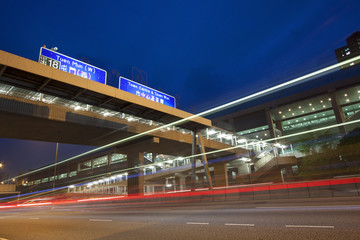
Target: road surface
point(328, 218)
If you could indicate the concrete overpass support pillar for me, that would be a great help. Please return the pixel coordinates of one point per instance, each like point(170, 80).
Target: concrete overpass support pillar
point(180, 182)
point(221, 176)
point(135, 182)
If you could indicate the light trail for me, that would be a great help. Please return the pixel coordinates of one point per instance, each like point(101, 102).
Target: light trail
point(253, 96)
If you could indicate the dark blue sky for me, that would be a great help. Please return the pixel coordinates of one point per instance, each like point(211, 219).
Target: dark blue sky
point(204, 52)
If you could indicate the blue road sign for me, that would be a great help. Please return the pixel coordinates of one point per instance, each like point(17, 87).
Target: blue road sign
point(70, 65)
point(146, 92)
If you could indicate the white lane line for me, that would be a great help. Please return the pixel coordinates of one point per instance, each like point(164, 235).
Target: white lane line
point(100, 220)
point(197, 223)
point(307, 226)
point(34, 218)
point(240, 224)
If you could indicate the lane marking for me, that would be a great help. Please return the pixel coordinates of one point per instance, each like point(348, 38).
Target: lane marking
point(197, 223)
point(100, 220)
point(307, 226)
point(34, 218)
point(240, 224)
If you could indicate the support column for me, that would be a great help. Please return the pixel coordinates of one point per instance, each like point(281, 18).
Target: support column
point(193, 163)
point(339, 115)
point(270, 122)
point(135, 181)
point(220, 173)
point(180, 182)
point(205, 162)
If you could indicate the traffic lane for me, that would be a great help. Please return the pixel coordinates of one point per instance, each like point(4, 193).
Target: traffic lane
point(346, 217)
point(38, 229)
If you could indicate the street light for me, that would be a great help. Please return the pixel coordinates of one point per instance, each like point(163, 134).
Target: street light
point(1, 165)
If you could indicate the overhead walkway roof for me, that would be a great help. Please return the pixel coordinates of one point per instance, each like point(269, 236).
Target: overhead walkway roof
point(31, 75)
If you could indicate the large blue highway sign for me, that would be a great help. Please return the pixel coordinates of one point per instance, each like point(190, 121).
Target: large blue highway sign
point(70, 65)
point(146, 92)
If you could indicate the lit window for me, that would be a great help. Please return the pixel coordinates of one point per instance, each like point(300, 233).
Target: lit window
point(101, 161)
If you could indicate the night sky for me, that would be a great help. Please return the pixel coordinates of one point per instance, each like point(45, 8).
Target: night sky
point(205, 53)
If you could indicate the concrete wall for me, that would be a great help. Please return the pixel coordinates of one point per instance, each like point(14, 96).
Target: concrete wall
point(5, 188)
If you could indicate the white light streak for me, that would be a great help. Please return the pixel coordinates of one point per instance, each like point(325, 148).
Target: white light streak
point(253, 96)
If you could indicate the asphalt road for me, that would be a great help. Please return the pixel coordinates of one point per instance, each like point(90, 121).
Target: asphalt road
point(330, 218)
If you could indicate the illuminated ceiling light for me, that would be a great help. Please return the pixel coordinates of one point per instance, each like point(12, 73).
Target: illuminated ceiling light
point(279, 112)
point(324, 106)
point(299, 107)
point(211, 131)
point(245, 159)
point(345, 95)
point(310, 104)
point(283, 116)
point(293, 114)
point(313, 109)
point(302, 111)
point(304, 118)
point(297, 120)
point(321, 101)
point(315, 116)
point(323, 114)
point(257, 136)
point(289, 109)
point(228, 137)
point(348, 100)
point(329, 99)
point(265, 134)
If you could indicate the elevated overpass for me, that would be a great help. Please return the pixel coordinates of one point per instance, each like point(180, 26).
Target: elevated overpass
point(38, 102)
